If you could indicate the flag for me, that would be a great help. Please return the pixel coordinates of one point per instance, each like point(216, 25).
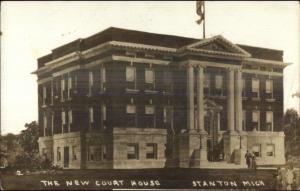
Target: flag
point(200, 11)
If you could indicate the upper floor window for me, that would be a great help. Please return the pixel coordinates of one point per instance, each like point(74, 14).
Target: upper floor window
point(91, 79)
point(70, 82)
point(255, 85)
point(219, 82)
point(102, 78)
point(269, 120)
point(130, 74)
point(206, 80)
point(62, 88)
point(269, 86)
point(103, 115)
point(256, 119)
point(244, 121)
point(91, 115)
point(149, 109)
point(70, 116)
point(243, 86)
point(63, 117)
point(130, 109)
point(45, 120)
point(149, 76)
point(44, 94)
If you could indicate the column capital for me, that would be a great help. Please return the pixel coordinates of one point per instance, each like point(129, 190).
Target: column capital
point(188, 65)
point(201, 66)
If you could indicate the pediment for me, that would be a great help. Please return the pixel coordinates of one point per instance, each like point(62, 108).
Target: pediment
point(217, 45)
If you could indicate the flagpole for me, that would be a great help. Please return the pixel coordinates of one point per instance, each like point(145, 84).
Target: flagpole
point(203, 19)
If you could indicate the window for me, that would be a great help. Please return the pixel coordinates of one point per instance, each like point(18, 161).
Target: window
point(130, 109)
point(149, 76)
point(103, 110)
point(244, 121)
point(70, 116)
point(168, 114)
point(255, 116)
point(44, 94)
point(45, 153)
point(103, 115)
point(103, 74)
point(256, 119)
point(130, 74)
point(270, 150)
point(63, 117)
point(74, 152)
point(256, 150)
point(255, 85)
point(91, 115)
point(102, 78)
point(151, 151)
point(97, 153)
point(269, 120)
point(168, 81)
point(219, 82)
point(104, 152)
point(94, 153)
point(206, 80)
point(62, 88)
point(132, 151)
point(91, 79)
point(243, 86)
point(269, 86)
point(149, 109)
point(45, 121)
point(58, 154)
point(70, 82)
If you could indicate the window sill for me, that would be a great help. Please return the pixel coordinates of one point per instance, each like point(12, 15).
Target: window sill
point(270, 99)
point(217, 96)
point(151, 91)
point(132, 90)
point(256, 99)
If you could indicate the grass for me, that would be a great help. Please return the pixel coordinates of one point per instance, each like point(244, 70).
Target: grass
point(168, 178)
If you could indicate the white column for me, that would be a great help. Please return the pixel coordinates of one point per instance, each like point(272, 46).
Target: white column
point(238, 100)
point(190, 97)
point(230, 100)
point(200, 99)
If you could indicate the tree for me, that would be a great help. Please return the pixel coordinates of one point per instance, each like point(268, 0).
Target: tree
point(29, 138)
point(292, 133)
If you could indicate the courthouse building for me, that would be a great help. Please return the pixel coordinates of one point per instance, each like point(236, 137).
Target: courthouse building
point(132, 99)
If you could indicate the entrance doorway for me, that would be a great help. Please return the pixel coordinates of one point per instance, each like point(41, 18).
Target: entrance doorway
point(66, 157)
point(211, 125)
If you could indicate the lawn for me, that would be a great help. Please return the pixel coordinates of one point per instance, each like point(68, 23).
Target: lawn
point(143, 179)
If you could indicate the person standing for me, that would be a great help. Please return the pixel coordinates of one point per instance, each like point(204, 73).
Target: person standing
point(290, 177)
point(248, 159)
point(253, 161)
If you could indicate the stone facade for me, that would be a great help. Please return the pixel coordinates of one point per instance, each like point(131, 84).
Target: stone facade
point(130, 99)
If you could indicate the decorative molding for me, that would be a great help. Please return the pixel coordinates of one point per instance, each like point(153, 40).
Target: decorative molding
point(67, 70)
point(261, 72)
point(264, 61)
point(140, 60)
point(196, 47)
point(44, 80)
point(142, 46)
point(207, 63)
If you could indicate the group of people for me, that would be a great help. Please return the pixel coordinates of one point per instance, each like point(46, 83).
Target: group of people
point(250, 160)
point(286, 178)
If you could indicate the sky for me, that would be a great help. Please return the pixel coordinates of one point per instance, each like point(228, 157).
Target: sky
point(32, 29)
